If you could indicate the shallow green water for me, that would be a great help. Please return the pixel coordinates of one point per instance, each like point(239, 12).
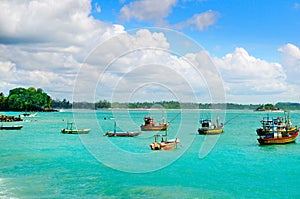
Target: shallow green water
point(40, 162)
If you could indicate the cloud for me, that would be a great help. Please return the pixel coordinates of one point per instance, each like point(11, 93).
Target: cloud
point(291, 62)
point(43, 43)
point(12, 77)
point(244, 74)
point(97, 7)
point(66, 22)
point(156, 11)
point(134, 63)
point(203, 20)
point(147, 11)
point(199, 21)
point(296, 6)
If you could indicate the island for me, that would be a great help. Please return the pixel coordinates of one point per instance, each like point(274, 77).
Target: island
point(269, 108)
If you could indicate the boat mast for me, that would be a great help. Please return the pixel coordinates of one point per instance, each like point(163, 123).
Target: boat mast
point(115, 127)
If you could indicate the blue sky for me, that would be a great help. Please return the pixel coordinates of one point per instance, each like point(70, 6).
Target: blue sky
point(259, 26)
point(213, 50)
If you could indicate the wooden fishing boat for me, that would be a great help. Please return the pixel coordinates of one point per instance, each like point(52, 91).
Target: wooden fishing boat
point(278, 138)
point(165, 144)
point(71, 129)
point(208, 127)
point(150, 125)
point(30, 115)
point(121, 134)
point(277, 131)
point(13, 127)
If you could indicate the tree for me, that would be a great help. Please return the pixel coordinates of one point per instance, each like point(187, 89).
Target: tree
point(2, 101)
point(31, 99)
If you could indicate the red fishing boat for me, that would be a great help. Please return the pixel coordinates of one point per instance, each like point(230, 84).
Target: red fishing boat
point(277, 131)
point(150, 125)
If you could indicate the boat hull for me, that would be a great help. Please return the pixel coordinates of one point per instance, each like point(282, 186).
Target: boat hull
point(11, 127)
point(122, 134)
point(75, 131)
point(204, 131)
point(154, 128)
point(168, 145)
point(278, 140)
point(261, 131)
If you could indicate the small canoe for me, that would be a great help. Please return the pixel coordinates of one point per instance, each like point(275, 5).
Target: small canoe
point(11, 127)
point(75, 131)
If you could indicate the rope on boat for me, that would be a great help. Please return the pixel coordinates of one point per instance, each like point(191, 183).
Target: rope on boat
point(174, 117)
point(233, 118)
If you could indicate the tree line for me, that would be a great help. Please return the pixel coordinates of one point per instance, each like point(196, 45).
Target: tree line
point(35, 99)
point(22, 99)
point(104, 104)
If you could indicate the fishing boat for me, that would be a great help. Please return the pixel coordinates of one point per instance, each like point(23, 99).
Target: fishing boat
point(121, 134)
point(164, 144)
point(277, 131)
point(150, 125)
point(209, 127)
point(26, 115)
point(29, 117)
point(71, 129)
point(13, 127)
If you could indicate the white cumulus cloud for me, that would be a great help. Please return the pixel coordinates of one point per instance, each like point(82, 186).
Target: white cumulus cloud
point(291, 61)
point(203, 20)
point(244, 74)
point(145, 10)
point(46, 41)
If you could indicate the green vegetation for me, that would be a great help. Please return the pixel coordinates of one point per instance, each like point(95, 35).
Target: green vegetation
point(21, 99)
point(177, 105)
point(61, 104)
point(147, 105)
point(267, 107)
point(288, 106)
point(32, 99)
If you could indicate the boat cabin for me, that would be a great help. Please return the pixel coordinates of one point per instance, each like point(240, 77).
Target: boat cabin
point(149, 121)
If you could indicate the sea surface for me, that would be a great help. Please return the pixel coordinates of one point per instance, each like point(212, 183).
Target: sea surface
point(39, 161)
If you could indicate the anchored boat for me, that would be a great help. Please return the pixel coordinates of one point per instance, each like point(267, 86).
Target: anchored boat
point(121, 134)
point(150, 125)
point(209, 127)
point(71, 129)
point(277, 131)
point(165, 143)
point(13, 127)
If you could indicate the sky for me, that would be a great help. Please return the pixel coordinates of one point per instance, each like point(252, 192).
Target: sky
point(153, 50)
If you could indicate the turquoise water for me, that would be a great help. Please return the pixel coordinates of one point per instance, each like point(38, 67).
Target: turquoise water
point(40, 162)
